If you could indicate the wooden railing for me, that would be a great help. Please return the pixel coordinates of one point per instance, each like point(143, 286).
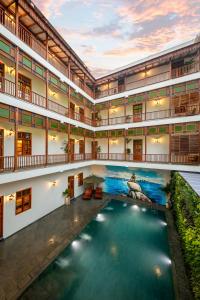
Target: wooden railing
point(57, 159)
point(185, 70)
point(153, 115)
point(6, 163)
point(7, 20)
point(60, 109)
point(10, 163)
point(7, 86)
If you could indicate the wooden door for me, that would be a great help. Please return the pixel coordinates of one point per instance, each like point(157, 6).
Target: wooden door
point(2, 68)
point(1, 148)
point(24, 143)
point(137, 112)
point(24, 85)
point(137, 150)
point(81, 112)
point(71, 186)
point(81, 147)
point(1, 217)
point(72, 110)
point(71, 149)
point(94, 149)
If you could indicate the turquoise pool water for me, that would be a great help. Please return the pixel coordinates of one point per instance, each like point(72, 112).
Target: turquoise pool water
point(122, 254)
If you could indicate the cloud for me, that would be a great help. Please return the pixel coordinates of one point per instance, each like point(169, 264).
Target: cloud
point(121, 31)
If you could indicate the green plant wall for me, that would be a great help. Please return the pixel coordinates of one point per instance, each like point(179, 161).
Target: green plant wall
point(186, 205)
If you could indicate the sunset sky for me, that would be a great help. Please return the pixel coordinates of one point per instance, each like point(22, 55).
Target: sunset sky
point(108, 34)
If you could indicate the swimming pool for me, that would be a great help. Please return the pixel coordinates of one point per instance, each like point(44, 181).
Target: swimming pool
point(122, 254)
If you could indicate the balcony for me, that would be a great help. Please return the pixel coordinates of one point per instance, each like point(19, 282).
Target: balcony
point(189, 110)
point(10, 163)
point(9, 88)
point(8, 21)
point(149, 80)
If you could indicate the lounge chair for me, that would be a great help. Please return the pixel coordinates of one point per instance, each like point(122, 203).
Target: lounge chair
point(98, 193)
point(87, 195)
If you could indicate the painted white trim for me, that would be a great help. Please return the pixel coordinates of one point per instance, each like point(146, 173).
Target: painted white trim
point(9, 100)
point(151, 87)
point(15, 40)
point(150, 57)
point(32, 173)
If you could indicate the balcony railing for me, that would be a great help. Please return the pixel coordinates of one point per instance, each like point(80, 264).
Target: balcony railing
point(10, 163)
point(7, 20)
point(189, 158)
point(28, 38)
point(176, 72)
point(154, 115)
point(185, 70)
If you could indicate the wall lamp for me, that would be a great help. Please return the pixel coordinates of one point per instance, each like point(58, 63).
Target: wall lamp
point(11, 197)
point(53, 137)
point(11, 69)
point(54, 183)
point(157, 140)
point(10, 132)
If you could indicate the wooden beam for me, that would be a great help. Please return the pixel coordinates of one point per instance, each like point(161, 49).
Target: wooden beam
point(16, 18)
point(46, 140)
point(16, 138)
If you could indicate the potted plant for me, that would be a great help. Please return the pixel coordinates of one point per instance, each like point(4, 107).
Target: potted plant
point(65, 147)
point(98, 149)
point(67, 197)
point(128, 151)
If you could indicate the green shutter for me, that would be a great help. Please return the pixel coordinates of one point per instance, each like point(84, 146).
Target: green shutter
point(63, 87)
point(191, 127)
point(63, 127)
point(39, 70)
point(152, 130)
point(163, 129)
point(27, 62)
point(117, 102)
point(192, 85)
point(54, 80)
point(178, 128)
point(54, 125)
point(179, 88)
point(26, 119)
point(157, 93)
point(4, 113)
point(4, 47)
point(136, 98)
point(39, 122)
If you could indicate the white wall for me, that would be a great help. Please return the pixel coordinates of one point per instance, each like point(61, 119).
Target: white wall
point(58, 97)
point(116, 145)
point(38, 139)
point(38, 85)
point(55, 146)
point(140, 78)
point(88, 145)
point(162, 147)
point(8, 140)
point(45, 198)
point(103, 143)
point(152, 105)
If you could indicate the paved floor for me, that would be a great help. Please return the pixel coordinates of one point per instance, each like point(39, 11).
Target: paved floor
point(25, 254)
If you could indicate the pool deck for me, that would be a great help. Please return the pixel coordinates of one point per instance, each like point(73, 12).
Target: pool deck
point(27, 253)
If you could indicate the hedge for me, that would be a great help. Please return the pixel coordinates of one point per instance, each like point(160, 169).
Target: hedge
point(186, 206)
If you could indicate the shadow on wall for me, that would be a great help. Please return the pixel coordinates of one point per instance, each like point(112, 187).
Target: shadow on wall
point(143, 184)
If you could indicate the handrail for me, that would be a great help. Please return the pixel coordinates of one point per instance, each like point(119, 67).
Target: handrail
point(7, 163)
point(154, 115)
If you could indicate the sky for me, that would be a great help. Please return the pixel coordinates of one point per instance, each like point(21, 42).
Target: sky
point(108, 34)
